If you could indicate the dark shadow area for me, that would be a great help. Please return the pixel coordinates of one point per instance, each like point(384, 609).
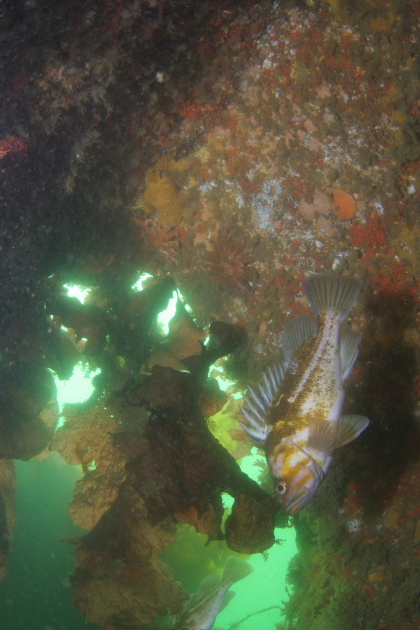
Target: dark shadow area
point(386, 395)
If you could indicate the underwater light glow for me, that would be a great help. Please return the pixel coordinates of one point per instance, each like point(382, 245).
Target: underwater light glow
point(265, 590)
point(76, 389)
point(165, 316)
point(224, 383)
point(138, 285)
point(186, 306)
point(259, 598)
point(228, 501)
point(247, 464)
point(74, 290)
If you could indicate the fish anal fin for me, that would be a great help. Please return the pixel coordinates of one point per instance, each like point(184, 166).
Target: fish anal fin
point(210, 582)
point(349, 428)
point(322, 435)
point(227, 598)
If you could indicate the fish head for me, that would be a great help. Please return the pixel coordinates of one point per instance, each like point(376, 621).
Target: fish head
point(296, 476)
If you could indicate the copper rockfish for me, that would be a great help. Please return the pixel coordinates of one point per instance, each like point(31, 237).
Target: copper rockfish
point(296, 416)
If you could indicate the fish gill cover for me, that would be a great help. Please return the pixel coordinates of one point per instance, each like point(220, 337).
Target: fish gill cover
point(235, 148)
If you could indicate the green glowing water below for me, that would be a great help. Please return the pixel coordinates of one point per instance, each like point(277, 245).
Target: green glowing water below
point(36, 594)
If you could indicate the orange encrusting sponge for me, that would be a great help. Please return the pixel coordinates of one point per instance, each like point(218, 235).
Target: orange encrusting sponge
point(344, 206)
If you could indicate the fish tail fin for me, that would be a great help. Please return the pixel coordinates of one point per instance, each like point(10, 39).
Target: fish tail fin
point(235, 570)
point(329, 292)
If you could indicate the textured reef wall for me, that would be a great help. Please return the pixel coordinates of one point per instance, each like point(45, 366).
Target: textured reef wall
point(229, 150)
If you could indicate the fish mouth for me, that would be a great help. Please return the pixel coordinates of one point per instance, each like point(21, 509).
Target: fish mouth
point(298, 501)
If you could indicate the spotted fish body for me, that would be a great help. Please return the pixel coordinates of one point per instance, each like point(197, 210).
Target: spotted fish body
point(296, 416)
point(201, 610)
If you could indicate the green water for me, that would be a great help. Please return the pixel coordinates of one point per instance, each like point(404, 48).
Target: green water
point(265, 587)
point(262, 589)
point(36, 594)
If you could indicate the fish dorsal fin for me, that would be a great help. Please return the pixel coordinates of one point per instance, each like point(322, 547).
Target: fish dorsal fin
point(349, 428)
point(227, 598)
point(188, 604)
point(256, 433)
point(349, 349)
point(322, 436)
point(259, 404)
point(235, 570)
point(209, 583)
point(296, 334)
point(329, 292)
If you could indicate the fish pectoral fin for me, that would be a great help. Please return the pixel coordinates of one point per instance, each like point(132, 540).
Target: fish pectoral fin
point(349, 428)
point(210, 582)
point(349, 349)
point(227, 598)
point(322, 436)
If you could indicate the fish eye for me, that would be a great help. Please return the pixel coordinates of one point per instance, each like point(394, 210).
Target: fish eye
point(281, 487)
